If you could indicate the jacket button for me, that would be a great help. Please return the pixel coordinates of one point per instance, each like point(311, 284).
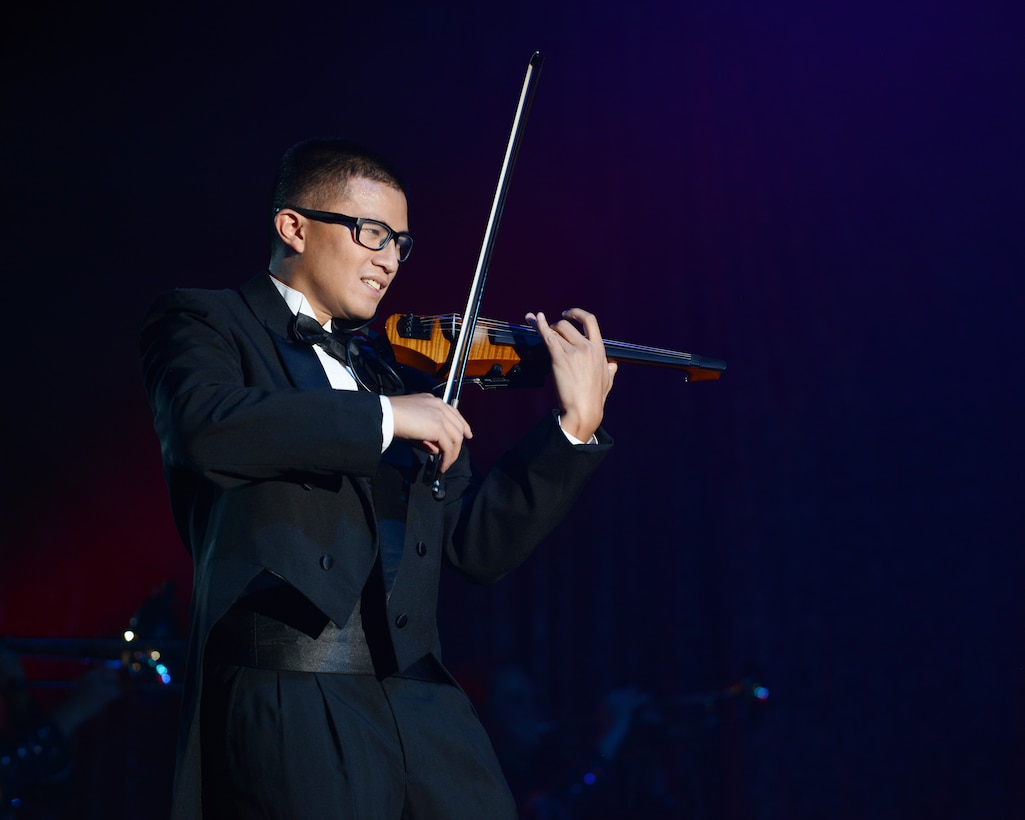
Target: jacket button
point(326, 562)
point(401, 620)
point(421, 548)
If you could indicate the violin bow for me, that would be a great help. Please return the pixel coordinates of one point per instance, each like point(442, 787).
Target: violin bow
point(461, 348)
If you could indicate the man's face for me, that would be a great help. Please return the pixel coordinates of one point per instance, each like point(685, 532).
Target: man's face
point(339, 277)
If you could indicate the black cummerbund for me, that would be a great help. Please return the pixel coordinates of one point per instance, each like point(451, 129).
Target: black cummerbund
point(280, 629)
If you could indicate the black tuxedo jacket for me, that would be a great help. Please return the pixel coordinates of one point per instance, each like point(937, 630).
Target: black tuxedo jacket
point(269, 469)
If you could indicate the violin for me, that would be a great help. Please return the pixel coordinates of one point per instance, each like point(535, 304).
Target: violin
point(508, 355)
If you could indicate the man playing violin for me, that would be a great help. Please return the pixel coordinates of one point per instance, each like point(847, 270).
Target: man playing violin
point(299, 460)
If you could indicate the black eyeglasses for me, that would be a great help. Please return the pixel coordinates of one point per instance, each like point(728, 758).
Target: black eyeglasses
point(367, 232)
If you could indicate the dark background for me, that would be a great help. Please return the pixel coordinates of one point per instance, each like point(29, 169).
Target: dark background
point(827, 196)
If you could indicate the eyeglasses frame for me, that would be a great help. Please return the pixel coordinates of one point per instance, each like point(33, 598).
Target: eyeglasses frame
point(355, 225)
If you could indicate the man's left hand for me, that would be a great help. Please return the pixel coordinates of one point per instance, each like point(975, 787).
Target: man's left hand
point(583, 375)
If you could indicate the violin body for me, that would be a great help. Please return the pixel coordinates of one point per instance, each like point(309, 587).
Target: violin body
point(506, 355)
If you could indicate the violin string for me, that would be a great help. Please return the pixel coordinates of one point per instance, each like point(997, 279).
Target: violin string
point(495, 324)
point(492, 324)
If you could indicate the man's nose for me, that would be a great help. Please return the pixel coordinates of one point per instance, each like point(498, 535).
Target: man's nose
point(388, 256)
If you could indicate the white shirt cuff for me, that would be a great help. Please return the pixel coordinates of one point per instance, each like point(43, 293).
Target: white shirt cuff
point(387, 423)
point(573, 439)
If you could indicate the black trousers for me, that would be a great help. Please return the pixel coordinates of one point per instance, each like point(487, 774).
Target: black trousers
point(295, 745)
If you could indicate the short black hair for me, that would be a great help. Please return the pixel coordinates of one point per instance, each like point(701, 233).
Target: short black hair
point(315, 171)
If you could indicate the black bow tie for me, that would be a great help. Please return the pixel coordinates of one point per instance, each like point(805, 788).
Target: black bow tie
point(354, 350)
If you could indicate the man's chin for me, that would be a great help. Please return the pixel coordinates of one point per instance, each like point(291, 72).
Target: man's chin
point(355, 320)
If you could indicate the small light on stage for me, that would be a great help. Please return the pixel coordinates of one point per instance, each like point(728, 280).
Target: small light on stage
point(590, 779)
point(760, 692)
point(165, 678)
point(154, 655)
point(129, 635)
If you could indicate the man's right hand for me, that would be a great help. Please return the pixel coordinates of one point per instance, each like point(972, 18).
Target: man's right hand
point(435, 425)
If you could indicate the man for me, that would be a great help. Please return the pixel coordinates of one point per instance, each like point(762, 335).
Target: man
point(299, 477)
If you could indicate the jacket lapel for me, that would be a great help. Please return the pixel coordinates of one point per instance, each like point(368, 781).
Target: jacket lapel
point(299, 361)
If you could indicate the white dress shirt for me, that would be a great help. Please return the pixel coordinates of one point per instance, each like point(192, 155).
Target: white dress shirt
point(338, 374)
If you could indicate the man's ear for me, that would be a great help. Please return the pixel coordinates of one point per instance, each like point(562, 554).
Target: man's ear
point(291, 227)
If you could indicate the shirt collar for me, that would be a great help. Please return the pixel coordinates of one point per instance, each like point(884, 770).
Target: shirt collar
point(296, 301)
